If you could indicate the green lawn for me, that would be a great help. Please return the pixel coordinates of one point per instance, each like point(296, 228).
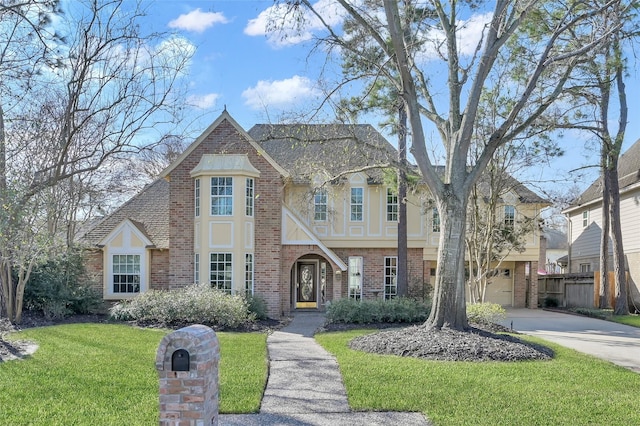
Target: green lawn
point(633, 320)
point(572, 389)
point(98, 374)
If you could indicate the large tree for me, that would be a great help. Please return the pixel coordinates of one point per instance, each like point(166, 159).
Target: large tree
point(442, 81)
point(75, 99)
point(601, 89)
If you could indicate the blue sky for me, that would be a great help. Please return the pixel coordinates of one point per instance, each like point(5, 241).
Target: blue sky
point(258, 77)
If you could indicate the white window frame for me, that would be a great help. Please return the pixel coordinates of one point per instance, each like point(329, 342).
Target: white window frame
point(221, 196)
point(585, 218)
point(585, 267)
point(320, 205)
point(248, 273)
point(249, 192)
point(392, 205)
point(196, 197)
point(226, 283)
point(355, 278)
point(196, 268)
point(137, 270)
point(357, 204)
point(390, 277)
point(509, 216)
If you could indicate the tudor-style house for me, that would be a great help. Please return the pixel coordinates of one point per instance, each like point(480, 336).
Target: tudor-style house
point(585, 223)
point(298, 214)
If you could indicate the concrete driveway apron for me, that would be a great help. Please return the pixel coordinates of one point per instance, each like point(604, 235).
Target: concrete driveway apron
point(613, 342)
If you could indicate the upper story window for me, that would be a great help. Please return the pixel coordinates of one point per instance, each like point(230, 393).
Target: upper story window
point(390, 280)
point(585, 218)
point(435, 220)
point(249, 197)
point(357, 204)
point(392, 205)
point(320, 205)
point(196, 196)
point(221, 196)
point(509, 216)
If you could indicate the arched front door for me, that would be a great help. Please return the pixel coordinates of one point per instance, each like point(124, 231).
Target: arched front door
point(306, 285)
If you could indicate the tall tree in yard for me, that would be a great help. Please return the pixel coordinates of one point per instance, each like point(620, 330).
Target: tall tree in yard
point(426, 54)
point(72, 104)
point(602, 91)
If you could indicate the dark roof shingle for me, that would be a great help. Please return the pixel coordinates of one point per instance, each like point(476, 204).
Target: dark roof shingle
point(149, 212)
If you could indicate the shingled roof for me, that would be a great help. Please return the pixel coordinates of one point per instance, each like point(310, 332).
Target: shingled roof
point(628, 175)
point(306, 149)
point(148, 211)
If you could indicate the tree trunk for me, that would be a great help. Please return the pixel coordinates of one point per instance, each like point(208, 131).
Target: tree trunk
point(449, 307)
point(402, 273)
point(622, 302)
point(604, 238)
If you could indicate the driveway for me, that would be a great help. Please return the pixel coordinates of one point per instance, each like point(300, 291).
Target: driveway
point(617, 343)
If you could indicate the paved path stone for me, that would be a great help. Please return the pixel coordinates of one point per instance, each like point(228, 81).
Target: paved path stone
point(305, 386)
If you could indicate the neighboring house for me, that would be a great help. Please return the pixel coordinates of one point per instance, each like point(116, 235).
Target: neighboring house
point(297, 214)
point(585, 222)
point(556, 251)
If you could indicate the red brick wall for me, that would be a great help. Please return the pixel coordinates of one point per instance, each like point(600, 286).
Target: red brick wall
point(520, 286)
point(159, 274)
point(93, 262)
point(225, 139)
point(373, 264)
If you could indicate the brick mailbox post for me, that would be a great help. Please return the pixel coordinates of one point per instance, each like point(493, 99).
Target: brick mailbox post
point(187, 364)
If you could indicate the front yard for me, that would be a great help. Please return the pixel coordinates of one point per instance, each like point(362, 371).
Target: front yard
point(99, 374)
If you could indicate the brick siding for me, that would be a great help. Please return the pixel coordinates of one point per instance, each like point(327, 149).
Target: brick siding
point(225, 139)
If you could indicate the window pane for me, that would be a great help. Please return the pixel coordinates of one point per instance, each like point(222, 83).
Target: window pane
point(221, 196)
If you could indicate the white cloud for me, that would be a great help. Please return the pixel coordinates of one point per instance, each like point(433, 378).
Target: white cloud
point(203, 101)
point(468, 36)
point(285, 27)
point(198, 21)
point(280, 92)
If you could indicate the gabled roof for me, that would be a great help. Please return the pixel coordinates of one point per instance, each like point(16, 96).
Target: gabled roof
point(148, 211)
point(628, 175)
point(305, 150)
point(224, 116)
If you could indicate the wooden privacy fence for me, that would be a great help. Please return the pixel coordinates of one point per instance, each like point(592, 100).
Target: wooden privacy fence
point(574, 290)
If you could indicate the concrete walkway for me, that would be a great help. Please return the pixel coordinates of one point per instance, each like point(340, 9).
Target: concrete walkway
point(613, 342)
point(305, 386)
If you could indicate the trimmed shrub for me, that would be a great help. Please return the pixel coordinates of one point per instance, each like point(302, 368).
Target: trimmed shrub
point(56, 289)
point(483, 313)
point(257, 306)
point(193, 304)
point(397, 310)
point(551, 302)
